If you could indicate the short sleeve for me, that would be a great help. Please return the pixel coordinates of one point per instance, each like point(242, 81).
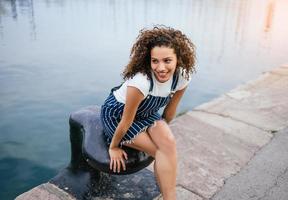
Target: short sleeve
point(182, 82)
point(141, 82)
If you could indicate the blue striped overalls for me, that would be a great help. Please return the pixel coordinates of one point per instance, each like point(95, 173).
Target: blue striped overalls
point(146, 115)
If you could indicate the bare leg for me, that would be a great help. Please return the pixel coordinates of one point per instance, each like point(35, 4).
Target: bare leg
point(156, 174)
point(143, 142)
point(165, 158)
point(160, 143)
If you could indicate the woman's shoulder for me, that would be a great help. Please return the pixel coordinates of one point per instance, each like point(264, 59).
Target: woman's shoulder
point(140, 81)
point(140, 76)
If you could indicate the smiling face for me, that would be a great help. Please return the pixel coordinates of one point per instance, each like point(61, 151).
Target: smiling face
point(163, 62)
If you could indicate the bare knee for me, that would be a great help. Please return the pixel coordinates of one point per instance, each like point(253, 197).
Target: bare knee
point(163, 137)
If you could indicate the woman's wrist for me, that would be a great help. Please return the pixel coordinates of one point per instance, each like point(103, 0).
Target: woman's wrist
point(114, 143)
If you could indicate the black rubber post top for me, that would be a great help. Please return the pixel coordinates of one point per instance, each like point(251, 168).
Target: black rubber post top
point(86, 132)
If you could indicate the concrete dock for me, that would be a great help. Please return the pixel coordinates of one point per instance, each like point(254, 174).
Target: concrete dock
point(232, 147)
point(216, 140)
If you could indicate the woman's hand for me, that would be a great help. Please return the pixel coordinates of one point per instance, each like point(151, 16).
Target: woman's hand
point(117, 156)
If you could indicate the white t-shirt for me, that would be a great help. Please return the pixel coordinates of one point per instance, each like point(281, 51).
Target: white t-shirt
point(141, 82)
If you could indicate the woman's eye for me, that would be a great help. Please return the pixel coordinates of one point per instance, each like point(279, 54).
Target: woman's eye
point(167, 61)
point(154, 61)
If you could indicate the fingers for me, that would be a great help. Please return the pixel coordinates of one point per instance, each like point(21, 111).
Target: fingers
point(123, 164)
point(122, 161)
point(114, 165)
point(111, 164)
point(125, 155)
point(117, 162)
point(118, 166)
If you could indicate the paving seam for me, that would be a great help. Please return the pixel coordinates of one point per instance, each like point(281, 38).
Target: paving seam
point(196, 193)
point(253, 155)
point(241, 168)
point(232, 118)
point(275, 184)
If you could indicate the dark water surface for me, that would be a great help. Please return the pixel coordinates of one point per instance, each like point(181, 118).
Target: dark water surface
point(58, 56)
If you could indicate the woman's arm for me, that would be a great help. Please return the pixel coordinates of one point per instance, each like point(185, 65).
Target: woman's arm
point(170, 109)
point(133, 99)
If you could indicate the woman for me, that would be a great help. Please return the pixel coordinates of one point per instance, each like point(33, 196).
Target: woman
point(161, 64)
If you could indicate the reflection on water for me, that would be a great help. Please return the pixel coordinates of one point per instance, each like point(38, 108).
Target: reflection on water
point(57, 56)
point(269, 15)
point(233, 13)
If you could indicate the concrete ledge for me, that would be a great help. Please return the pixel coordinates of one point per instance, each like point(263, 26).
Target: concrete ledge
point(217, 139)
point(207, 156)
point(182, 194)
point(140, 185)
point(260, 103)
point(249, 134)
point(265, 177)
point(45, 191)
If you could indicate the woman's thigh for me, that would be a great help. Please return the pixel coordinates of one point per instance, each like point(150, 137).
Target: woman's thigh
point(161, 135)
point(143, 142)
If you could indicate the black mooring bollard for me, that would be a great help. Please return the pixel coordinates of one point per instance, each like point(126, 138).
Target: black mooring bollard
point(88, 173)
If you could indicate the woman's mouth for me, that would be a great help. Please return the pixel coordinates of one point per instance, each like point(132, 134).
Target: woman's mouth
point(162, 74)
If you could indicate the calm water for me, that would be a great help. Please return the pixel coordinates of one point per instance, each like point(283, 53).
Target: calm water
point(59, 56)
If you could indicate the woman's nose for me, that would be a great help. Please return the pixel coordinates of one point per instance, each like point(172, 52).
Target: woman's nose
point(161, 66)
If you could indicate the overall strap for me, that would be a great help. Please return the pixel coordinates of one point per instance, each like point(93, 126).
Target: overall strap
point(151, 83)
point(174, 81)
point(116, 88)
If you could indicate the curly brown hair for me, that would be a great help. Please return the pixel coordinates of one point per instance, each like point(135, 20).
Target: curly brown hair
point(160, 36)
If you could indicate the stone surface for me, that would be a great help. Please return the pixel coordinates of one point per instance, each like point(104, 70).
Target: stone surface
point(258, 103)
point(45, 191)
point(183, 194)
point(207, 155)
point(249, 134)
point(279, 190)
point(140, 185)
point(264, 178)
